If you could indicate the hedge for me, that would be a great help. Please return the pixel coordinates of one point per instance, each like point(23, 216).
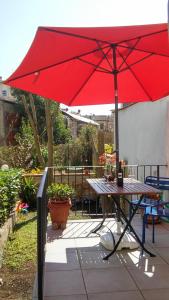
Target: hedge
point(10, 181)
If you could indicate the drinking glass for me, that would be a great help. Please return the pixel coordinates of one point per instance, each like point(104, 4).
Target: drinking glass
point(131, 175)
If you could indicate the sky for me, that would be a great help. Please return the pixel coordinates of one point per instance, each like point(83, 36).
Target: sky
point(20, 19)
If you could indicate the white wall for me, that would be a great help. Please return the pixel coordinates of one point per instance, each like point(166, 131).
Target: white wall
point(144, 133)
point(7, 90)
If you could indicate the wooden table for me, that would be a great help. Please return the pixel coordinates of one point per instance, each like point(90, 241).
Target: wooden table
point(130, 187)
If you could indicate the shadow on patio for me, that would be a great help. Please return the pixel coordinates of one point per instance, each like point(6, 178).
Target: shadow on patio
point(75, 269)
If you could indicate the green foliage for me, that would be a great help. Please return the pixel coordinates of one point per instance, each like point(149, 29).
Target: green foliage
point(9, 189)
point(68, 154)
point(74, 153)
point(44, 152)
point(108, 148)
point(60, 155)
point(85, 137)
point(28, 191)
point(22, 155)
point(78, 151)
point(59, 191)
point(25, 134)
point(61, 134)
point(20, 249)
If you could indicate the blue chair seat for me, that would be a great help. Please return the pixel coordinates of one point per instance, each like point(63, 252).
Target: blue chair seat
point(151, 200)
point(161, 210)
point(144, 203)
point(151, 211)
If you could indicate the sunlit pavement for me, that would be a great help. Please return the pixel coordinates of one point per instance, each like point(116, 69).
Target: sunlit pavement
point(75, 269)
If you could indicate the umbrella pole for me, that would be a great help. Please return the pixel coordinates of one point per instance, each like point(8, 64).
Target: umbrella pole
point(115, 72)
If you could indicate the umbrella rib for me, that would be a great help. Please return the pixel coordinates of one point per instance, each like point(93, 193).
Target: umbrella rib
point(56, 64)
point(84, 83)
point(139, 82)
point(144, 51)
point(130, 51)
point(142, 36)
point(98, 40)
point(129, 68)
point(101, 69)
point(105, 55)
point(74, 35)
point(140, 60)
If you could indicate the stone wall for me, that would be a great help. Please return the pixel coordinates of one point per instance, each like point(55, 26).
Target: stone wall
point(5, 230)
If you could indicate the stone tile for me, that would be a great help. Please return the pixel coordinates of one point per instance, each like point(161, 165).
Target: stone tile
point(156, 294)
point(63, 283)
point(135, 258)
point(118, 278)
point(89, 244)
point(164, 253)
point(129, 295)
point(61, 244)
point(150, 277)
point(165, 225)
point(94, 259)
point(162, 240)
point(108, 280)
point(61, 260)
point(81, 230)
point(67, 297)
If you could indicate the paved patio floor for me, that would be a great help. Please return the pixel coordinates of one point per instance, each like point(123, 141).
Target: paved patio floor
point(75, 268)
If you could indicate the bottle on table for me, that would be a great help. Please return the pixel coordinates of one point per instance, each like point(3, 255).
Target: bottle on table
point(120, 175)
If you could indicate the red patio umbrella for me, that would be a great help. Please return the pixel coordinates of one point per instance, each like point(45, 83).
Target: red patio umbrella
point(103, 65)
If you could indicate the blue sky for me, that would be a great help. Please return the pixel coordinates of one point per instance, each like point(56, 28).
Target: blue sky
point(20, 18)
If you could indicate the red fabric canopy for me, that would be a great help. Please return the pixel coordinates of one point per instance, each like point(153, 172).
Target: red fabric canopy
point(75, 66)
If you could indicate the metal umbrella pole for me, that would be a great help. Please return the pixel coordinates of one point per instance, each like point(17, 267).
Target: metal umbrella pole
point(115, 73)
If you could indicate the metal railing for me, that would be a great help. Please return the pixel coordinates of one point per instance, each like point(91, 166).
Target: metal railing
point(76, 176)
point(42, 212)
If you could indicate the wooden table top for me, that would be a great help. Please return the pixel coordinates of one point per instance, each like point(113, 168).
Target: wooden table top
point(101, 187)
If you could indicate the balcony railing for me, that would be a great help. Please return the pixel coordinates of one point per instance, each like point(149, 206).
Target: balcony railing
point(85, 201)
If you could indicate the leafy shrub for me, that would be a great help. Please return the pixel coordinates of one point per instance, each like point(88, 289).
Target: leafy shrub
point(9, 188)
point(28, 191)
point(59, 191)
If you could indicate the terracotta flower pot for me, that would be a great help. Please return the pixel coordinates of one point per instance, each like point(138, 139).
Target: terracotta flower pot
point(59, 212)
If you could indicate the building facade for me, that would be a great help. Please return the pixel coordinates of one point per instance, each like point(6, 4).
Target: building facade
point(9, 118)
point(144, 134)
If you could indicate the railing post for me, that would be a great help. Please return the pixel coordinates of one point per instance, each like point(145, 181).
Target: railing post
point(41, 231)
point(158, 171)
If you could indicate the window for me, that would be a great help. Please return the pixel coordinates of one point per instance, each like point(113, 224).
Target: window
point(102, 126)
point(4, 93)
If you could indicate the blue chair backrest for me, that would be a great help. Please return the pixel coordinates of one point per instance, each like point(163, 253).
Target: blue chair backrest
point(161, 183)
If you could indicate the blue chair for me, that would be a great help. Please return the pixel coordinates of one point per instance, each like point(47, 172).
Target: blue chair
point(158, 209)
point(150, 200)
point(161, 210)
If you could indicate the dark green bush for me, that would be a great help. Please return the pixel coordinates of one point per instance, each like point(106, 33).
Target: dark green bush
point(28, 191)
point(9, 189)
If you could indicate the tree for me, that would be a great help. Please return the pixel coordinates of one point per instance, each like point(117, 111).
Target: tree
point(86, 136)
point(46, 121)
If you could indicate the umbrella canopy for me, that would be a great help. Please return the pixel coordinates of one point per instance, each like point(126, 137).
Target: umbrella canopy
point(103, 65)
point(74, 65)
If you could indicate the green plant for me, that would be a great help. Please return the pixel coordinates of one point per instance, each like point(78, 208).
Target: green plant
point(59, 191)
point(9, 188)
point(108, 148)
point(28, 191)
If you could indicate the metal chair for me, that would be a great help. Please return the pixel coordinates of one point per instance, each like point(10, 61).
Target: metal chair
point(151, 200)
point(161, 209)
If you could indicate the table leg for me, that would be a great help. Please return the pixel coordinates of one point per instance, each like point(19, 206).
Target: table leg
point(98, 226)
point(128, 224)
point(105, 215)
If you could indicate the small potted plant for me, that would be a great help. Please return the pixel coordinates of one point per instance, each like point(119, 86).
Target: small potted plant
point(59, 203)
